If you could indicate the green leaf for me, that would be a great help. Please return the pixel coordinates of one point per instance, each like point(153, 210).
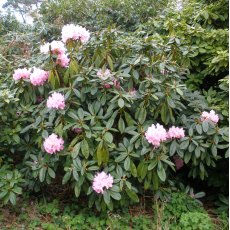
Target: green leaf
point(135, 74)
point(16, 138)
point(187, 157)
point(121, 103)
point(77, 190)
point(66, 77)
point(164, 113)
point(197, 152)
point(80, 113)
point(12, 198)
point(108, 137)
point(66, 177)
point(170, 102)
point(17, 190)
point(127, 164)
point(102, 154)
point(199, 128)
point(161, 173)
point(199, 195)
point(172, 148)
point(110, 62)
point(76, 150)
point(191, 147)
point(115, 195)
point(205, 126)
point(144, 170)
point(141, 115)
point(120, 158)
point(155, 180)
point(52, 79)
point(184, 144)
point(133, 169)
point(75, 174)
point(51, 172)
point(121, 125)
point(152, 165)
point(85, 148)
point(115, 188)
point(129, 119)
point(106, 197)
point(132, 195)
point(201, 167)
point(179, 91)
point(42, 174)
point(214, 150)
point(3, 194)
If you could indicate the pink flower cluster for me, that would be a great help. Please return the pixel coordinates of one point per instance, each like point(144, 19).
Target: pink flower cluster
point(62, 60)
point(211, 116)
point(175, 132)
point(56, 47)
point(56, 101)
point(72, 32)
point(53, 144)
point(38, 77)
point(157, 134)
point(102, 181)
point(104, 74)
point(21, 74)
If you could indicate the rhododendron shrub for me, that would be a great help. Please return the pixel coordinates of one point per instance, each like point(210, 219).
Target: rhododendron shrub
point(114, 119)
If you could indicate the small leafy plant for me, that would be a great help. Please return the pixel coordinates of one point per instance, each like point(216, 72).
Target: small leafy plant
point(196, 221)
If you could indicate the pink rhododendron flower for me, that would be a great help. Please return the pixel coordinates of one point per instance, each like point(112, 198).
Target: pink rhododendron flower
point(211, 116)
point(53, 144)
point(56, 101)
point(175, 132)
point(63, 60)
point(72, 32)
point(21, 74)
point(57, 47)
point(104, 75)
point(39, 76)
point(156, 134)
point(102, 181)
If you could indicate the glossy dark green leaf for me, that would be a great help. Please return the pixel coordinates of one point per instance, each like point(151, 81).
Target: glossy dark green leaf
point(161, 173)
point(121, 125)
point(121, 103)
point(205, 126)
point(85, 148)
point(184, 144)
point(106, 197)
point(172, 148)
point(132, 195)
point(66, 177)
point(51, 172)
point(127, 164)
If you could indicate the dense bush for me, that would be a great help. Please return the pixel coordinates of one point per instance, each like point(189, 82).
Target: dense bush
point(110, 102)
point(137, 70)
